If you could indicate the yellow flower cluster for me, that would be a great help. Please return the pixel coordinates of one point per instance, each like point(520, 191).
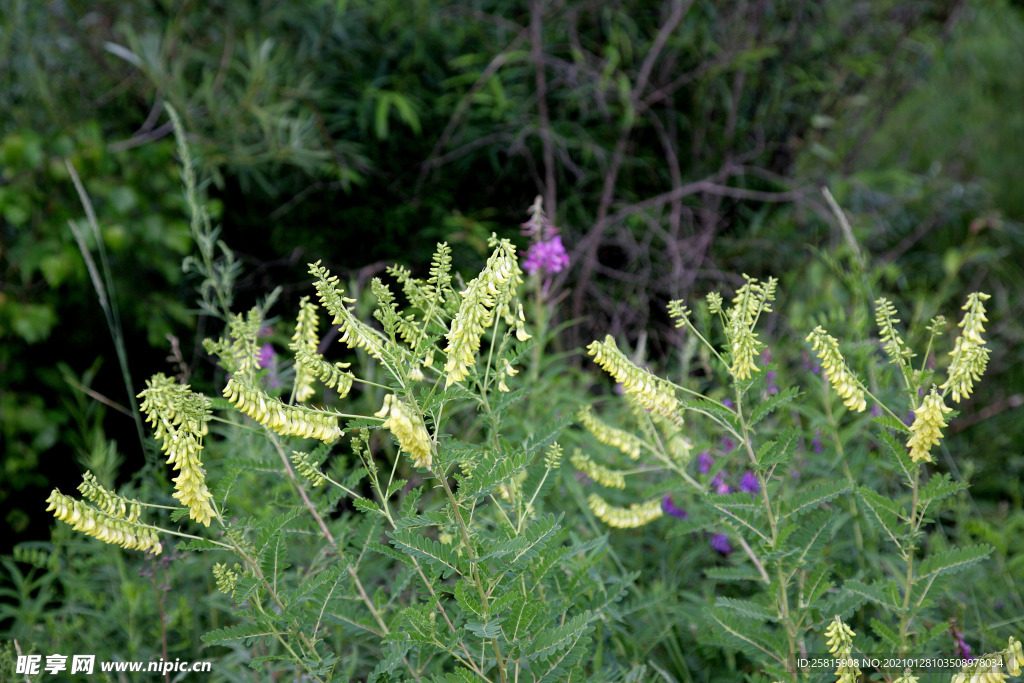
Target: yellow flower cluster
point(840, 644)
point(832, 362)
point(107, 501)
point(928, 423)
point(408, 428)
point(333, 375)
point(752, 299)
point(305, 339)
point(226, 578)
point(970, 357)
point(651, 392)
point(606, 434)
point(308, 468)
point(744, 346)
point(107, 528)
point(179, 418)
point(506, 371)
point(355, 333)
point(636, 515)
point(1012, 657)
point(602, 475)
point(280, 417)
point(487, 295)
point(892, 342)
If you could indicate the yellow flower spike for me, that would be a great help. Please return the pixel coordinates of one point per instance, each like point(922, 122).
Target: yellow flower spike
point(611, 436)
point(928, 423)
point(636, 515)
point(1014, 657)
point(652, 393)
point(970, 357)
point(102, 526)
point(599, 473)
point(282, 418)
point(834, 366)
point(180, 416)
point(408, 428)
point(305, 339)
point(840, 642)
point(487, 295)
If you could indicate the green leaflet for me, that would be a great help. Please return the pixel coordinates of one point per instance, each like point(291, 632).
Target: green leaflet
point(954, 561)
point(814, 496)
point(515, 553)
point(433, 552)
point(551, 640)
point(779, 450)
point(772, 403)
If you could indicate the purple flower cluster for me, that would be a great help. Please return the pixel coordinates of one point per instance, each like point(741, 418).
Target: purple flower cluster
point(749, 483)
point(671, 508)
point(720, 544)
point(548, 257)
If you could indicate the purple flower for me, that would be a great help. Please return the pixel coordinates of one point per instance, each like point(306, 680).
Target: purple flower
point(720, 543)
point(962, 648)
point(265, 356)
point(721, 487)
point(704, 462)
point(547, 257)
point(749, 483)
point(875, 411)
point(728, 444)
point(670, 508)
point(911, 416)
point(816, 442)
point(769, 377)
point(728, 403)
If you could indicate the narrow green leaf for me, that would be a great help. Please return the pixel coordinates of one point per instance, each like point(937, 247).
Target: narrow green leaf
point(886, 634)
point(882, 511)
point(739, 573)
point(939, 488)
point(814, 496)
point(747, 608)
point(551, 640)
point(954, 561)
point(870, 592)
point(428, 549)
point(773, 403)
point(778, 451)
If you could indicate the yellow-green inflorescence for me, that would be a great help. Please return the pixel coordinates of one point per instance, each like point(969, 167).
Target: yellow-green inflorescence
point(840, 645)
point(752, 299)
point(179, 417)
point(115, 527)
point(611, 436)
point(604, 476)
point(652, 392)
point(988, 668)
point(280, 417)
point(636, 515)
point(970, 356)
point(355, 333)
point(929, 419)
point(305, 339)
point(408, 428)
point(307, 468)
point(227, 578)
point(489, 294)
point(834, 365)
